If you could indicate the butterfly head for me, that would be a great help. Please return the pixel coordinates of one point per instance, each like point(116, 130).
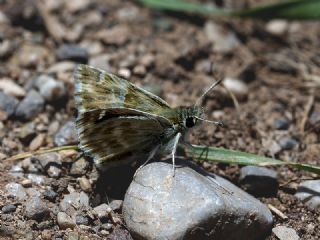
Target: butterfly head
point(190, 116)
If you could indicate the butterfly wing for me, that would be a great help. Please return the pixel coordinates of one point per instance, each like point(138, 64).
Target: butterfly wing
point(115, 135)
point(97, 89)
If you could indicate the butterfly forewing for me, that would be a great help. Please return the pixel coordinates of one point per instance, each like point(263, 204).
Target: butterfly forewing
point(97, 89)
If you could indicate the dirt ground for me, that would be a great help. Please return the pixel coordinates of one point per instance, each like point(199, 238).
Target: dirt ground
point(175, 56)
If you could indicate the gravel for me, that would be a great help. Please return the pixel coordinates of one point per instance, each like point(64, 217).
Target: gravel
point(16, 190)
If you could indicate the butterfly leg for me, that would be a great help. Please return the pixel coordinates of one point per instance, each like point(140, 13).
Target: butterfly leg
point(151, 155)
point(174, 149)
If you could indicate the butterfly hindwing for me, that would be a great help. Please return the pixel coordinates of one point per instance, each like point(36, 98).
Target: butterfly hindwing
point(97, 89)
point(113, 135)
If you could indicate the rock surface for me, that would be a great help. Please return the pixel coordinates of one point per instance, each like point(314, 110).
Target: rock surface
point(191, 205)
point(309, 193)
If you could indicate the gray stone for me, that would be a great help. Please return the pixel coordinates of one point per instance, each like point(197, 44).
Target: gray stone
point(191, 205)
point(36, 208)
point(116, 205)
point(16, 190)
point(30, 106)
point(85, 184)
point(288, 143)
point(259, 181)
point(79, 167)
point(309, 193)
point(102, 211)
point(50, 194)
point(9, 208)
point(285, 233)
point(66, 135)
point(8, 103)
point(73, 53)
point(64, 221)
point(82, 220)
point(50, 88)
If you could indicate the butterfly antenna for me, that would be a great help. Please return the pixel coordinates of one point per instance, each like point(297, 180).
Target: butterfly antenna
point(218, 123)
point(200, 99)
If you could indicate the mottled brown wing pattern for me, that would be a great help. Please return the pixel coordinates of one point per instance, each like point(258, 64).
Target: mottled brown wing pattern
point(114, 135)
point(97, 89)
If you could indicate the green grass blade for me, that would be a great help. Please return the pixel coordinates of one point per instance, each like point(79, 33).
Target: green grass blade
point(293, 9)
point(230, 156)
point(186, 7)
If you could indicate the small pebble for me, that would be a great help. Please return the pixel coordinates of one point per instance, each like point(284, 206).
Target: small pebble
point(107, 226)
point(26, 183)
point(16, 171)
point(139, 70)
point(32, 192)
point(85, 184)
point(37, 142)
point(50, 88)
point(50, 195)
point(73, 53)
point(116, 205)
point(16, 190)
point(259, 181)
point(9, 208)
point(64, 221)
point(35, 178)
point(73, 201)
point(124, 72)
point(223, 40)
point(54, 171)
point(30, 106)
point(288, 143)
point(285, 233)
point(66, 135)
point(309, 193)
point(236, 86)
point(36, 208)
point(281, 124)
point(8, 103)
point(277, 27)
point(79, 167)
point(82, 220)
point(9, 87)
point(102, 211)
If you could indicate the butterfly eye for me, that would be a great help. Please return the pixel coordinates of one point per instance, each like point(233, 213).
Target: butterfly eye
point(190, 122)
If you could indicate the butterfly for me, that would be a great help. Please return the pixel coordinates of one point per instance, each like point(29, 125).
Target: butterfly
point(118, 121)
